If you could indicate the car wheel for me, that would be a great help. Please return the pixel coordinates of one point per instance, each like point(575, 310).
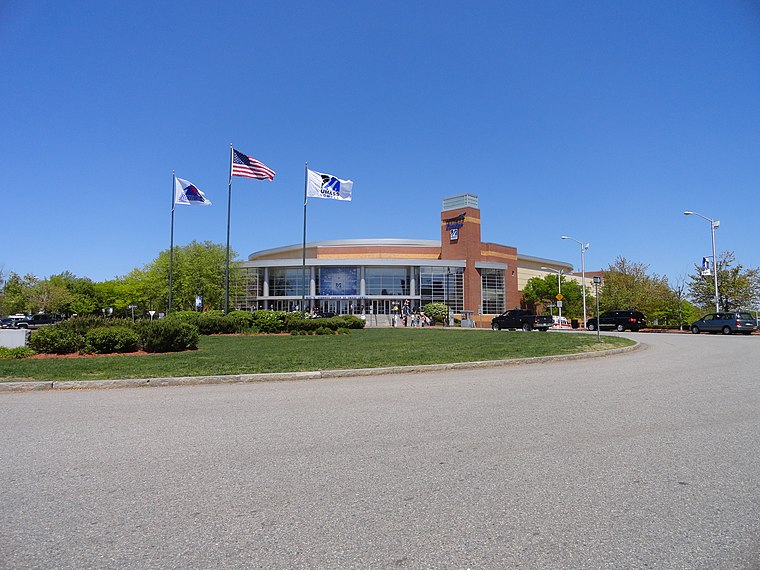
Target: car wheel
point(591, 326)
point(695, 330)
point(526, 327)
point(495, 326)
point(620, 328)
point(726, 330)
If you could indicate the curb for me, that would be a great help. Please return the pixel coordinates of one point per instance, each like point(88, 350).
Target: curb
point(32, 386)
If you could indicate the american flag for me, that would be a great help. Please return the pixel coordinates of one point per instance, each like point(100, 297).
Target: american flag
point(249, 167)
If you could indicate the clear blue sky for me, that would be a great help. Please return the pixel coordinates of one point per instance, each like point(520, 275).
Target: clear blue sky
point(602, 120)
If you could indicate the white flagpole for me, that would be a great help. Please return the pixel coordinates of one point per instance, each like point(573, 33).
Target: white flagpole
point(303, 271)
point(227, 265)
point(171, 246)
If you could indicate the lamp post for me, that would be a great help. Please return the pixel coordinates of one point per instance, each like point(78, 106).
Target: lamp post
point(597, 280)
point(559, 287)
point(584, 247)
point(714, 224)
point(446, 295)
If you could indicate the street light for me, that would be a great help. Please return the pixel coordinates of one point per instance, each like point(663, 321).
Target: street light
point(714, 224)
point(583, 272)
point(597, 281)
point(559, 287)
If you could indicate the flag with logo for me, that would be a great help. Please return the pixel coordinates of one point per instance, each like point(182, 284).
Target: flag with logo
point(320, 185)
point(187, 193)
point(249, 167)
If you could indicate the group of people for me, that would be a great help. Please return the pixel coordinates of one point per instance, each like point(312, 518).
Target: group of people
point(409, 317)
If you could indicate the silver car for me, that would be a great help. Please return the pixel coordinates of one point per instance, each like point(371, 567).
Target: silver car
point(726, 323)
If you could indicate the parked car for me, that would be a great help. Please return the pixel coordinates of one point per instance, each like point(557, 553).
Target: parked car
point(521, 319)
point(36, 321)
point(11, 321)
point(726, 323)
point(618, 320)
point(560, 323)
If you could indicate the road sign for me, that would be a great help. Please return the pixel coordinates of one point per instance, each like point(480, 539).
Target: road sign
point(559, 304)
point(559, 296)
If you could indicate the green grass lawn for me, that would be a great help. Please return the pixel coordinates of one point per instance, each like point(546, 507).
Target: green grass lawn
point(370, 348)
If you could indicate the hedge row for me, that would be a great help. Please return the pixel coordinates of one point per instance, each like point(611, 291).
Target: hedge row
point(100, 336)
point(179, 331)
point(214, 322)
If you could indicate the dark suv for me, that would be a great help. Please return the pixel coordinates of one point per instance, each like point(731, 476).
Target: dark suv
point(618, 320)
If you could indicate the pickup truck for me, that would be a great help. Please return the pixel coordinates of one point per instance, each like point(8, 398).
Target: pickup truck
point(35, 321)
point(522, 319)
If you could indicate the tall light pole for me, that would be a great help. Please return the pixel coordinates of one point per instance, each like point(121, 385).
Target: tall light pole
point(584, 247)
point(597, 281)
point(714, 224)
point(559, 287)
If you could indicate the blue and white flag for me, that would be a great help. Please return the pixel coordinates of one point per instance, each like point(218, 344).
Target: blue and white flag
point(187, 193)
point(328, 186)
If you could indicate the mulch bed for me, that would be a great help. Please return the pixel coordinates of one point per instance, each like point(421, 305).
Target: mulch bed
point(42, 356)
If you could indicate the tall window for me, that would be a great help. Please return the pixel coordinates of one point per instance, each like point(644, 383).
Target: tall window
point(442, 285)
point(492, 287)
point(387, 280)
point(247, 289)
point(286, 282)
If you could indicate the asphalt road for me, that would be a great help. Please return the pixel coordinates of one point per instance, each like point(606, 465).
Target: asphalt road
point(649, 459)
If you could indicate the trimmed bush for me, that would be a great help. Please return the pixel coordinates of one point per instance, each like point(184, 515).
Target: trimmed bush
point(167, 335)
point(244, 321)
point(300, 324)
point(56, 340)
point(111, 339)
point(343, 330)
point(437, 312)
point(82, 325)
point(324, 330)
point(349, 322)
point(15, 353)
point(294, 321)
point(215, 324)
point(269, 321)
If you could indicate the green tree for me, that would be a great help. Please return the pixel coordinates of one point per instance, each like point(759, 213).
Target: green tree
point(738, 288)
point(15, 294)
point(627, 285)
point(198, 269)
point(544, 290)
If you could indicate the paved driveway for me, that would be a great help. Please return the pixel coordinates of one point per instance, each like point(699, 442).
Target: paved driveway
point(649, 459)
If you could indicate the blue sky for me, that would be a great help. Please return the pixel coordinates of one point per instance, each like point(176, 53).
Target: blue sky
point(601, 120)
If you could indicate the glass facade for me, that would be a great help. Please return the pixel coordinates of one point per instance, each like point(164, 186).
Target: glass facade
point(245, 291)
point(339, 288)
point(442, 285)
point(492, 291)
point(287, 282)
point(388, 280)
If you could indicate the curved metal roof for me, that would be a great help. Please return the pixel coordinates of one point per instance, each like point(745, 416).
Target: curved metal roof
point(348, 243)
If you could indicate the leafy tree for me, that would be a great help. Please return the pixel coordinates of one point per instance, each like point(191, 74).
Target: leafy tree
point(198, 269)
point(627, 285)
point(738, 288)
point(544, 290)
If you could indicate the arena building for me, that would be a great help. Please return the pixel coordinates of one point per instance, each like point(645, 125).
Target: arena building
point(476, 279)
